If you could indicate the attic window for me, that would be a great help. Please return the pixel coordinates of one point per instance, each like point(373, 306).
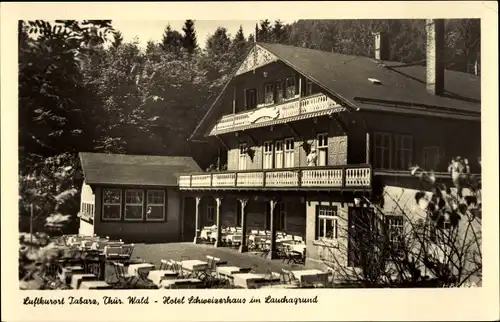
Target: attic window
point(375, 81)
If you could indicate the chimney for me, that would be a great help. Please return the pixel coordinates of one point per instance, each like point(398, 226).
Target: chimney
point(381, 46)
point(435, 56)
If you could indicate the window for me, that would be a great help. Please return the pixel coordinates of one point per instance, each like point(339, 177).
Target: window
point(279, 91)
point(382, 150)
point(268, 155)
point(430, 157)
point(250, 98)
point(309, 87)
point(327, 222)
point(210, 213)
point(155, 205)
point(290, 87)
point(278, 155)
point(134, 201)
point(269, 94)
point(403, 152)
point(395, 229)
point(111, 204)
point(289, 153)
point(242, 161)
point(322, 143)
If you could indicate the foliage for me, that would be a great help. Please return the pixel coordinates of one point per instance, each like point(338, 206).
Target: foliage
point(436, 242)
point(171, 41)
point(189, 42)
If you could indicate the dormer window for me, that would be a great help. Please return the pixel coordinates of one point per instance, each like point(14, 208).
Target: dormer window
point(269, 93)
point(290, 87)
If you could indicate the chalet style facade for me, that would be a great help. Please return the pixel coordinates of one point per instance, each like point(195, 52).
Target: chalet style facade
point(367, 119)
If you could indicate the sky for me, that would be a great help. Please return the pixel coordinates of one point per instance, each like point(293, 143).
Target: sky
point(153, 29)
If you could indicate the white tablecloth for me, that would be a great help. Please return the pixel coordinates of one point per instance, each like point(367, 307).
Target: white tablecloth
point(194, 265)
point(310, 275)
point(158, 275)
point(135, 269)
point(246, 280)
point(227, 270)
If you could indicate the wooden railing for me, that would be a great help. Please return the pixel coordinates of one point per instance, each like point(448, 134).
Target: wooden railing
point(348, 176)
point(284, 110)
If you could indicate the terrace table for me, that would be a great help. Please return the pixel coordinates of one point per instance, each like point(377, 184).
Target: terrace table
point(227, 270)
point(140, 269)
point(247, 280)
point(234, 238)
point(194, 266)
point(280, 286)
point(94, 285)
point(309, 276)
point(177, 282)
point(299, 248)
point(157, 276)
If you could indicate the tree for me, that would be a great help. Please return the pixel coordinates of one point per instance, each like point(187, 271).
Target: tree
point(279, 32)
point(264, 33)
point(117, 39)
point(219, 42)
point(52, 100)
point(434, 242)
point(171, 41)
point(189, 41)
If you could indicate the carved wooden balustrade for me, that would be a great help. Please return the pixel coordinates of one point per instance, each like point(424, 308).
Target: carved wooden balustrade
point(276, 112)
point(348, 176)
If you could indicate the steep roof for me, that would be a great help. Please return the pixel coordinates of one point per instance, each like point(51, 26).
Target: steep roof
point(141, 170)
point(401, 85)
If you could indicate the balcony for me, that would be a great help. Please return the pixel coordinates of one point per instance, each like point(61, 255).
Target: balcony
point(295, 109)
point(311, 178)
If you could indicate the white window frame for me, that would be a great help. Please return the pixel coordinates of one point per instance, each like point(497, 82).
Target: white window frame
point(267, 155)
point(403, 147)
point(395, 227)
point(325, 214)
point(288, 151)
point(433, 153)
point(148, 204)
point(135, 204)
point(103, 214)
point(322, 146)
point(242, 157)
point(379, 140)
point(279, 159)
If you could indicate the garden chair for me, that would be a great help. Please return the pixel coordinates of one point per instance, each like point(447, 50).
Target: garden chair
point(113, 252)
point(126, 251)
point(165, 265)
point(287, 277)
point(120, 274)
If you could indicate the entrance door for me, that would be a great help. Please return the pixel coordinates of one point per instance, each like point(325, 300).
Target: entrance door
point(361, 232)
point(189, 218)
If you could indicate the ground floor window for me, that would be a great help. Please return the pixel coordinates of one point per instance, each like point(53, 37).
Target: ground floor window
point(111, 204)
point(136, 203)
point(155, 205)
point(327, 222)
point(395, 229)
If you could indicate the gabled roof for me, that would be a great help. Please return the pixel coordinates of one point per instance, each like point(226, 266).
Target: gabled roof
point(140, 170)
point(404, 86)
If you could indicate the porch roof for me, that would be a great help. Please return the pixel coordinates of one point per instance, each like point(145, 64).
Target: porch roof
point(134, 170)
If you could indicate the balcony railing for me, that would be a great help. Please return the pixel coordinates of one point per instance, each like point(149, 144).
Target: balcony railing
point(275, 112)
point(349, 176)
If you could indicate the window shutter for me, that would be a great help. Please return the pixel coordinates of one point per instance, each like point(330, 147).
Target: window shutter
point(338, 150)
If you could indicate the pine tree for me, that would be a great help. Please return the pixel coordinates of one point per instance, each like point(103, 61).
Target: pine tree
point(219, 42)
point(239, 40)
point(189, 39)
point(117, 39)
point(264, 32)
point(171, 41)
point(279, 32)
